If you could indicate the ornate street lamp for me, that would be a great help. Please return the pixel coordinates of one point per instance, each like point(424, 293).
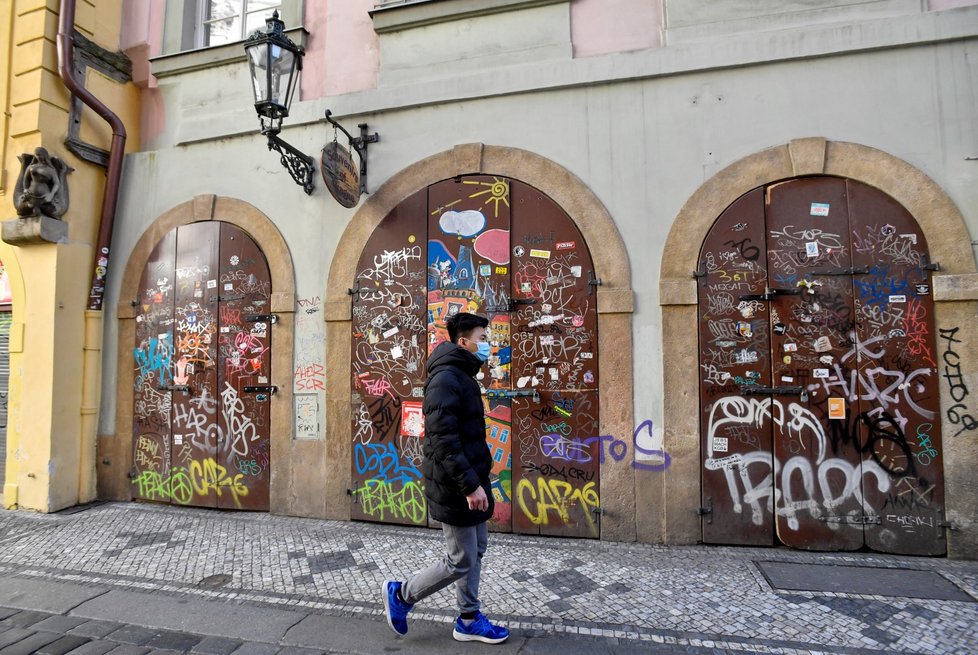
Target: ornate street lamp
point(274, 61)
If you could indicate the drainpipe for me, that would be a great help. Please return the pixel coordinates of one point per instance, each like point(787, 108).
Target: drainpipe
point(66, 60)
point(92, 340)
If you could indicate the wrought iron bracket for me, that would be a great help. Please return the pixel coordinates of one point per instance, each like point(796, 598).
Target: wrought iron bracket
point(592, 282)
point(359, 144)
point(300, 166)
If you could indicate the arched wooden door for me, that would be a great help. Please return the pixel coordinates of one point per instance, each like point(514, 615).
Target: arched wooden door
point(202, 357)
point(819, 389)
point(501, 248)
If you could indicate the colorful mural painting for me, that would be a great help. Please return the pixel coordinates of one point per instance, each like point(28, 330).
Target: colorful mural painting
point(500, 248)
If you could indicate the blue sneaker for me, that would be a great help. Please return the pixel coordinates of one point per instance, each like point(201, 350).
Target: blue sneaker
point(480, 630)
point(395, 608)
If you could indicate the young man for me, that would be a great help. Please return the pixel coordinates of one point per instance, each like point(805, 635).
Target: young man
point(456, 477)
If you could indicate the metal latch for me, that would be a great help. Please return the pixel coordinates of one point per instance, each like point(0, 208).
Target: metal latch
point(257, 318)
point(858, 519)
point(592, 282)
point(852, 270)
point(175, 387)
point(520, 393)
point(706, 511)
point(771, 293)
point(228, 298)
point(926, 264)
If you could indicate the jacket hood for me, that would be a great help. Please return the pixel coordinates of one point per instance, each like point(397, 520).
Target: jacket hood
point(449, 354)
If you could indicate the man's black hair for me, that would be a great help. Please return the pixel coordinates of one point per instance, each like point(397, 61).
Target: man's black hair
point(462, 324)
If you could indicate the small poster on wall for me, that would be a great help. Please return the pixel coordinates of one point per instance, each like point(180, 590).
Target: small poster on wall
point(412, 419)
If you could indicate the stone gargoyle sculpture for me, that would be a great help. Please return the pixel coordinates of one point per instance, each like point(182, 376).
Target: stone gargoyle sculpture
point(42, 187)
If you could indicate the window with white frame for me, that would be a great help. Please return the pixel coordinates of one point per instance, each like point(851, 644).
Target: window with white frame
point(228, 21)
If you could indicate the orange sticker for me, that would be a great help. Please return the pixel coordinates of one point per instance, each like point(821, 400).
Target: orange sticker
point(837, 408)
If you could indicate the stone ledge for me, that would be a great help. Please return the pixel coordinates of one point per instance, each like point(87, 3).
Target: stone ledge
point(616, 301)
point(955, 287)
point(677, 291)
point(338, 310)
point(34, 230)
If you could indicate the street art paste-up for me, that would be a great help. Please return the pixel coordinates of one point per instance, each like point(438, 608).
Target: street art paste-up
point(838, 446)
point(201, 416)
point(499, 248)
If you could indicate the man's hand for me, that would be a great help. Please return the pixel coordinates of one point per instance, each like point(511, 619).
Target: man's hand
point(478, 500)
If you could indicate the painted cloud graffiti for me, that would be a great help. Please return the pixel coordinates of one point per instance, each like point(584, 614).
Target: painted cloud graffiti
point(465, 223)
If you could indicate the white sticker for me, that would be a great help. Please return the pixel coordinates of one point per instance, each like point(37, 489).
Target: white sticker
point(898, 299)
point(547, 340)
point(912, 238)
point(790, 347)
point(587, 355)
point(787, 378)
point(211, 284)
point(389, 333)
point(820, 373)
point(228, 286)
point(822, 344)
point(576, 271)
point(225, 328)
point(396, 352)
point(523, 381)
point(820, 209)
point(554, 374)
point(177, 439)
point(720, 444)
point(546, 308)
point(826, 359)
point(811, 248)
point(262, 379)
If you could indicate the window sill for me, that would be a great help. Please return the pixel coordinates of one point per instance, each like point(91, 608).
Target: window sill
point(202, 58)
point(394, 18)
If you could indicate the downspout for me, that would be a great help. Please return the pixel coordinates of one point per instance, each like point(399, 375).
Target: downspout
point(92, 340)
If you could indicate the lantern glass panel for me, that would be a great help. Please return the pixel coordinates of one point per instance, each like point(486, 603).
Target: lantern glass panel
point(258, 62)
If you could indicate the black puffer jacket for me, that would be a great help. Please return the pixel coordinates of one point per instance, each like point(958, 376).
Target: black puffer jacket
point(456, 457)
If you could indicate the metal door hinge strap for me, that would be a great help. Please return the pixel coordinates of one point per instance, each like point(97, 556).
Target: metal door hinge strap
point(592, 281)
point(269, 388)
point(927, 265)
point(506, 393)
point(774, 391)
point(771, 293)
point(174, 387)
point(229, 298)
point(859, 519)
point(852, 270)
point(948, 525)
point(256, 318)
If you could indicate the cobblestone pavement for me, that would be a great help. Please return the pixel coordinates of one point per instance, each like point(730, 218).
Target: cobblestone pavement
point(697, 599)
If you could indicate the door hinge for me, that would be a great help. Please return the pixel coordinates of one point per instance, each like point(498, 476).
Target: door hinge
point(948, 525)
point(857, 519)
point(592, 282)
point(706, 511)
point(926, 264)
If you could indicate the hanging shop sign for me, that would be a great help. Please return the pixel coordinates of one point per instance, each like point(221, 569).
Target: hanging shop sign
point(340, 175)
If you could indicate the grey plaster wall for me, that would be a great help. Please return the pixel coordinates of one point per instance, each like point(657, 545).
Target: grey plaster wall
point(642, 130)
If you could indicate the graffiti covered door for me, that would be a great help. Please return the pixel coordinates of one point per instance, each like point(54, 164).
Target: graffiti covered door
point(500, 248)
point(200, 416)
point(851, 406)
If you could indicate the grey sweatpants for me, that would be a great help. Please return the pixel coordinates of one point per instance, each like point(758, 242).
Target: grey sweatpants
point(462, 564)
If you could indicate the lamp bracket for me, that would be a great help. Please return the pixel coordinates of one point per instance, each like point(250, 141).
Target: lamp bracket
point(359, 144)
point(300, 166)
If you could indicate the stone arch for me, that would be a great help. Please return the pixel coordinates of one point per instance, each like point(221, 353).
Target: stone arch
point(615, 306)
point(261, 228)
point(955, 295)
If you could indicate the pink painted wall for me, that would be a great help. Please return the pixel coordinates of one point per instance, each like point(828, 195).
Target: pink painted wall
point(604, 26)
point(343, 51)
point(141, 38)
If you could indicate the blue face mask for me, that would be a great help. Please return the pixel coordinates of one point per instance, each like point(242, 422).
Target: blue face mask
point(483, 352)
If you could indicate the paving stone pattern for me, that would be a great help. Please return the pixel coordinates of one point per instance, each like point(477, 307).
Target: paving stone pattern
point(698, 599)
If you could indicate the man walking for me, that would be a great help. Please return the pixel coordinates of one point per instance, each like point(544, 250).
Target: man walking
point(456, 475)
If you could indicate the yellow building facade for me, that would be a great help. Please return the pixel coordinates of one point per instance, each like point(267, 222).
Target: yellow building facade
point(55, 341)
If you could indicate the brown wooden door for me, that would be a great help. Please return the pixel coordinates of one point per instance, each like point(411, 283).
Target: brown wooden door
point(735, 359)
point(200, 417)
point(852, 401)
point(496, 247)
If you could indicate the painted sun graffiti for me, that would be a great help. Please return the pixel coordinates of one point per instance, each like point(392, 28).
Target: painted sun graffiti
point(498, 191)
